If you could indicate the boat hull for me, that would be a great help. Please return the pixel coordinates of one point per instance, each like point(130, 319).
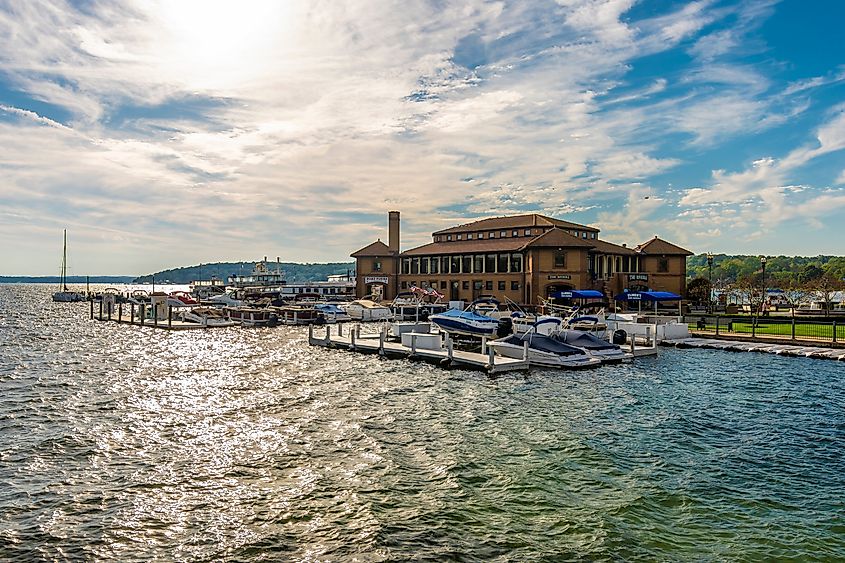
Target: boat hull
point(68, 297)
point(546, 359)
point(466, 327)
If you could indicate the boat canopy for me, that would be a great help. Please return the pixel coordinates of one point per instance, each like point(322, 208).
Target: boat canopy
point(648, 296)
point(466, 315)
point(578, 294)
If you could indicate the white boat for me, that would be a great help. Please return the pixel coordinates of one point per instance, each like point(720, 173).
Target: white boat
point(206, 316)
point(367, 310)
point(331, 313)
point(591, 344)
point(229, 299)
point(466, 322)
point(65, 295)
point(543, 350)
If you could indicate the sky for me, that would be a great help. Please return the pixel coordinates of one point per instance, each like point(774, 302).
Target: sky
point(166, 133)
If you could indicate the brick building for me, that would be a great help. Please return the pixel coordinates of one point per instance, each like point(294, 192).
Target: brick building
point(521, 257)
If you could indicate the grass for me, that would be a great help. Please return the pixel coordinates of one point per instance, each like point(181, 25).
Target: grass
point(765, 327)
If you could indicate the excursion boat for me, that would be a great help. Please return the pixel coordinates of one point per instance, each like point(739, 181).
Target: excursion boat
point(467, 322)
point(261, 277)
point(251, 316)
point(65, 295)
point(543, 349)
point(367, 310)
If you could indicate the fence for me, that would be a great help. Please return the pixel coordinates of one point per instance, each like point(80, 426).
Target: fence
point(787, 328)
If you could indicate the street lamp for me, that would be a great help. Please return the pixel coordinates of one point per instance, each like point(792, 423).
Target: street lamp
point(710, 278)
point(763, 265)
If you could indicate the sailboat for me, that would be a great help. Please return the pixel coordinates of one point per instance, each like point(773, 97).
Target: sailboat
point(65, 295)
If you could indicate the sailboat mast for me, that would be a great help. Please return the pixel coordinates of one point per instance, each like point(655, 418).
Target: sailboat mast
point(64, 262)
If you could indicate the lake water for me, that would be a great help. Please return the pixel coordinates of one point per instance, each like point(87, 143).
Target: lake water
point(121, 443)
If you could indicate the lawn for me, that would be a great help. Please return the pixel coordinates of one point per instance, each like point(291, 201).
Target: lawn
point(765, 327)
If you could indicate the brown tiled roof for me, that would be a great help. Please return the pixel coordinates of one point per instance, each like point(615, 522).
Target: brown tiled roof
point(659, 246)
point(377, 248)
point(558, 237)
point(609, 248)
point(507, 244)
point(552, 237)
point(514, 222)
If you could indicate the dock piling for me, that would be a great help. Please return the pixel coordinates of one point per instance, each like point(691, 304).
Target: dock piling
point(525, 351)
point(170, 316)
point(352, 341)
point(120, 312)
point(101, 309)
point(131, 313)
point(328, 334)
point(141, 312)
point(155, 315)
point(381, 343)
point(339, 329)
point(483, 343)
point(91, 303)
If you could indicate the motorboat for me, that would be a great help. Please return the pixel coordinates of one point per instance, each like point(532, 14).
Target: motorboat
point(252, 316)
point(206, 316)
point(331, 313)
point(65, 295)
point(543, 350)
point(412, 305)
point(367, 310)
point(466, 322)
point(233, 298)
point(605, 351)
point(181, 299)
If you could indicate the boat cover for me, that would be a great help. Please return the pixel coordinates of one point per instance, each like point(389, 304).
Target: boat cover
point(578, 294)
point(648, 296)
point(583, 340)
point(543, 343)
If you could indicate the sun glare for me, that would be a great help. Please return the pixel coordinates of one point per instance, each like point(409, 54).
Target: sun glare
point(222, 43)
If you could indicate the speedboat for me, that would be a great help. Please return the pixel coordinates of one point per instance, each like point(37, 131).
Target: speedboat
point(543, 350)
point(367, 310)
point(331, 313)
point(467, 322)
point(181, 299)
point(587, 341)
point(206, 316)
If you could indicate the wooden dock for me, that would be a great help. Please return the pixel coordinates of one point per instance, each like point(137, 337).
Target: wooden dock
point(766, 347)
point(168, 323)
point(377, 343)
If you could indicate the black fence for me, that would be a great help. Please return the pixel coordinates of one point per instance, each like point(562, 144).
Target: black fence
point(787, 328)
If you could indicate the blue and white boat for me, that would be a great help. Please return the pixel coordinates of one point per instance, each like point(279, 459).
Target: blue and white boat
point(467, 322)
point(332, 313)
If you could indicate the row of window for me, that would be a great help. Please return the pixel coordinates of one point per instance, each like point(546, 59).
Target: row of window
point(476, 284)
point(504, 234)
point(464, 264)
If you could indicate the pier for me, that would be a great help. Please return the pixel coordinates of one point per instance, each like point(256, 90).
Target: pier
point(129, 317)
point(378, 343)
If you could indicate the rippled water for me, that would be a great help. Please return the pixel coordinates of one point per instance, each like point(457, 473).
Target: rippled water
point(121, 443)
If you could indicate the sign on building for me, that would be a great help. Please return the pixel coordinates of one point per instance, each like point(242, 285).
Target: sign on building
point(376, 279)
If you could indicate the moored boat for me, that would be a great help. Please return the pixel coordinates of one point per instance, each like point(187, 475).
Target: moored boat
point(65, 295)
point(367, 310)
point(467, 322)
point(543, 350)
point(251, 316)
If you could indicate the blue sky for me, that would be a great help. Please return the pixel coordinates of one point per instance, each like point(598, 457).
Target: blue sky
point(170, 133)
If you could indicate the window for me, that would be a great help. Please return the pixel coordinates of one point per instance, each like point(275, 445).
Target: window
point(377, 265)
point(448, 237)
point(663, 265)
point(516, 262)
point(415, 265)
point(502, 263)
point(514, 233)
point(404, 285)
point(455, 262)
point(492, 235)
point(514, 286)
point(584, 234)
point(503, 234)
point(436, 239)
point(479, 263)
point(469, 236)
point(433, 284)
point(424, 284)
point(406, 265)
point(480, 236)
point(488, 285)
point(443, 284)
point(560, 259)
point(490, 263)
point(528, 232)
point(423, 265)
point(467, 264)
point(477, 285)
point(466, 285)
point(459, 237)
point(592, 235)
point(434, 265)
point(501, 286)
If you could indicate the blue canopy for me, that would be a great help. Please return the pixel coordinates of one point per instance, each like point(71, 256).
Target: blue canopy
point(578, 294)
point(648, 296)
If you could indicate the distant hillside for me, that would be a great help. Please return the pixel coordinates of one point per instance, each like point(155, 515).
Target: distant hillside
point(730, 268)
point(294, 273)
point(70, 279)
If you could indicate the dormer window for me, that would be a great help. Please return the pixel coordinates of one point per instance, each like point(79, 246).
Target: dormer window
point(436, 239)
point(459, 237)
point(480, 236)
point(449, 237)
point(492, 235)
point(515, 233)
point(584, 234)
point(503, 234)
point(528, 232)
point(469, 236)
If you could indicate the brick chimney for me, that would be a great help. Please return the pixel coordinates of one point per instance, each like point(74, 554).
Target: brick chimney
point(393, 231)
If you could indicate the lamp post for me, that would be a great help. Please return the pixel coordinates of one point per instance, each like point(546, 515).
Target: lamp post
point(710, 279)
point(763, 266)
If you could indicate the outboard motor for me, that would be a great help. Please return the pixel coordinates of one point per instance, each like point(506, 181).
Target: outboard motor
point(320, 320)
point(620, 337)
point(505, 327)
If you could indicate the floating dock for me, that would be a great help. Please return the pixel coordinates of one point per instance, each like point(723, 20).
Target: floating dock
point(793, 350)
point(377, 343)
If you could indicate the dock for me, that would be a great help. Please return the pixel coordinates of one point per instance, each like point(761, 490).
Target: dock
point(166, 323)
point(378, 343)
point(791, 350)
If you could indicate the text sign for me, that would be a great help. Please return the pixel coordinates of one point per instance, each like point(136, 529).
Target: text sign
point(560, 277)
point(377, 279)
point(638, 277)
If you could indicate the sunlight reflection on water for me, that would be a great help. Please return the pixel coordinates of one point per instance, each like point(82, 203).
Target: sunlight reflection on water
point(134, 444)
